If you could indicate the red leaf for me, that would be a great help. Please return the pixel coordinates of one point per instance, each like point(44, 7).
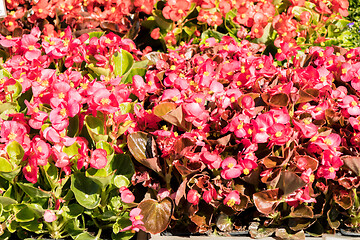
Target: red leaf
point(157, 215)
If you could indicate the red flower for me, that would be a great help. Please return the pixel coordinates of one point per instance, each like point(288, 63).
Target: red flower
point(176, 9)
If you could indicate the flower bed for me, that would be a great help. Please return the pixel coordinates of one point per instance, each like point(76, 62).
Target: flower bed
point(220, 134)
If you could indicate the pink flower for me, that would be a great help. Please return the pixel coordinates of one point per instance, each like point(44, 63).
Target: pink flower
point(193, 197)
point(126, 195)
point(231, 169)
point(49, 216)
point(98, 159)
point(232, 198)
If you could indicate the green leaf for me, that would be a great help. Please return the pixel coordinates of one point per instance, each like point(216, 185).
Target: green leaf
point(100, 176)
point(15, 151)
point(86, 236)
point(210, 33)
point(4, 73)
point(72, 150)
point(13, 91)
point(6, 109)
point(95, 34)
point(33, 192)
point(24, 96)
point(100, 71)
point(106, 146)
point(128, 78)
point(86, 191)
point(10, 175)
point(122, 165)
point(6, 201)
point(73, 210)
point(25, 215)
point(33, 226)
point(95, 127)
point(5, 166)
point(126, 107)
point(121, 181)
point(123, 61)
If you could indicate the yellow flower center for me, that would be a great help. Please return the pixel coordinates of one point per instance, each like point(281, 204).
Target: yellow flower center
point(31, 47)
point(105, 101)
point(61, 95)
point(331, 169)
point(206, 74)
point(232, 99)
point(246, 171)
point(12, 136)
point(312, 178)
point(63, 112)
point(175, 98)
point(327, 141)
point(353, 103)
point(230, 165)
point(278, 134)
point(137, 218)
point(240, 126)
point(39, 148)
point(198, 100)
point(231, 202)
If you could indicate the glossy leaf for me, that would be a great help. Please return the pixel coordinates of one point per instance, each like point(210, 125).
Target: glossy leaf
point(128, 78)
point(33, 192)
point(86, 191)
point(266, 201)
point(164, 108)
point(122, 62)
point(15, 152)
point(5, 165)
point(121, 181)
point(25, 215)
point(137, 144)
point(157, 215)
point(95, 128)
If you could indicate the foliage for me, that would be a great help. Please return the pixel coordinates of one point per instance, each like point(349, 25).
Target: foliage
point(62, 173)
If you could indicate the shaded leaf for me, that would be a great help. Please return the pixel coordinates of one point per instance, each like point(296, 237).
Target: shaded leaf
point(224, 223)
point(299, 223)
point(332, 216)
point(352, 163)
point(279, 100)
point(157, 215)
point(302, 211)
point(257, 231)
point(290, 182)
point(122, 165)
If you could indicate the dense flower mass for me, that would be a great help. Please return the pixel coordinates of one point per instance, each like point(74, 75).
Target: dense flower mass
point(220, 133)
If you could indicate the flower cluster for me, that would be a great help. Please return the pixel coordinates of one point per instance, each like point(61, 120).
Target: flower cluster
point(239, 128)
point(55, 107)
